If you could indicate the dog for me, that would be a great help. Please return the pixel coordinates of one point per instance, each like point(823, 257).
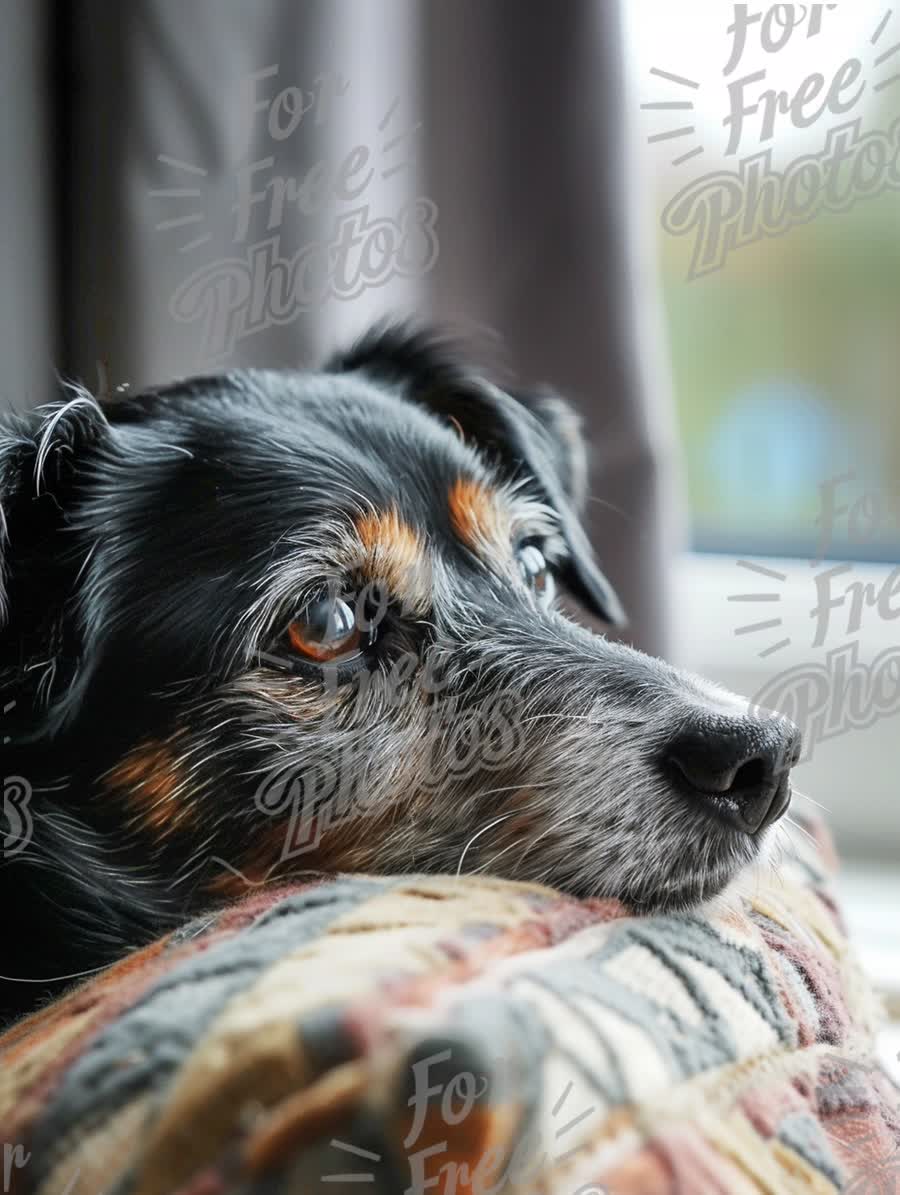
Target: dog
point(266, 624)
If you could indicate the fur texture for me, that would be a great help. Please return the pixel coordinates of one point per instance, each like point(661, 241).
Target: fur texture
point(178, 748)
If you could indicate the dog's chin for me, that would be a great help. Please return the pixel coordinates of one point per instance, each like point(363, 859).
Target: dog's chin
point(687, 896)
point(683, 887)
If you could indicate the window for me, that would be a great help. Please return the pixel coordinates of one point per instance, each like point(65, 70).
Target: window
point(756, 123)
point(769, 140)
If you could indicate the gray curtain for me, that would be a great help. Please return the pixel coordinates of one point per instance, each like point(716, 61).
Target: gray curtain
point(510, 118)
point(540, 242)
point(27, 311)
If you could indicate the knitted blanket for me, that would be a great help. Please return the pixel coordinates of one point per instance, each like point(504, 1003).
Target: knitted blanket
point(463, 1035)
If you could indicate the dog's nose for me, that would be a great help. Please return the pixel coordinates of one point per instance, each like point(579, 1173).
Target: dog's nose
point(737, 767)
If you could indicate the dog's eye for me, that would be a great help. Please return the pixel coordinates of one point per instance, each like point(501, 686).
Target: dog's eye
point(536, 572)
point(325, 630)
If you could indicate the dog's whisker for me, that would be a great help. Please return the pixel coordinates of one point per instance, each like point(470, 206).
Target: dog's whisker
point(796, 826)
point(484, 829)
point(805, 797)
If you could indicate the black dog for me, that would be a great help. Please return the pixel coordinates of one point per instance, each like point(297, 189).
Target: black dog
point(265, 624)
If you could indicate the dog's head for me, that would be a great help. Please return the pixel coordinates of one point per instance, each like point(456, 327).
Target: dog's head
point(263, 623)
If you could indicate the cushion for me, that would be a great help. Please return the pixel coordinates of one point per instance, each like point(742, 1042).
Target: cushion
point(460, 1034)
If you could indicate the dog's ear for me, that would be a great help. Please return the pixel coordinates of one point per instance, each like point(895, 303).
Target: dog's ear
point(536, 436)
point(42, 454)
point(565, 441)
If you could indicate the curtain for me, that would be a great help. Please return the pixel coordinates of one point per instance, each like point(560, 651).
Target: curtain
point(201, 148)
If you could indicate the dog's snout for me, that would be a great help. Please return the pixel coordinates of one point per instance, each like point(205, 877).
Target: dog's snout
point(737, 767)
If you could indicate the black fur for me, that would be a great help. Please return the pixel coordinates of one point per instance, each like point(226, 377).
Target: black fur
point(148, 549)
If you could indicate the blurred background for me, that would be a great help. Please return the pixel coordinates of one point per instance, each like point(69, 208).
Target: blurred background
point(784, 354)
point(685, 217)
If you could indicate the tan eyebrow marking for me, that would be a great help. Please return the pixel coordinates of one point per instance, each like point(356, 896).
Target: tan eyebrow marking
point(478, 517)
point(395, 555)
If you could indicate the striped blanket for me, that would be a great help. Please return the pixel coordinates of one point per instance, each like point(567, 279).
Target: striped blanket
point(463, 1035)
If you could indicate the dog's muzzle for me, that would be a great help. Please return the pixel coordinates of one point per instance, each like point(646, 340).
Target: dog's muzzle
point(735, 768)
